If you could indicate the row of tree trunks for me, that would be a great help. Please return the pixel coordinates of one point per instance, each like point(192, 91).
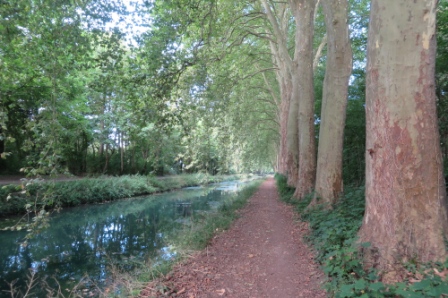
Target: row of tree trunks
point(295, 77)
point(406, 208)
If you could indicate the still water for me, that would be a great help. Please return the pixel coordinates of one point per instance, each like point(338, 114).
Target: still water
point(86, 240)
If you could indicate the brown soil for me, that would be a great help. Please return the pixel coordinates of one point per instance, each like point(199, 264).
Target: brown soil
point(261, 255)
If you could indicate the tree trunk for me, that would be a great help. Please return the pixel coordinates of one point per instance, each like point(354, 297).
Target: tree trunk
point(293, 136)
point(303, 90)
point(329, 183)
point(406, 211)
point(286, 154)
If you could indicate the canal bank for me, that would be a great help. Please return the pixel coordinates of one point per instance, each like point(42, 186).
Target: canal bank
point(100, 241)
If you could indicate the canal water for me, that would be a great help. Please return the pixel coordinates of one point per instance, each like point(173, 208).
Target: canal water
point(87, 240)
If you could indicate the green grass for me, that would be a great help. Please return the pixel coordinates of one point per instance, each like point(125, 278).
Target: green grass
point(334, 238)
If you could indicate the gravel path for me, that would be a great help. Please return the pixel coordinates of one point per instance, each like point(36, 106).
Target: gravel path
point(261, 255)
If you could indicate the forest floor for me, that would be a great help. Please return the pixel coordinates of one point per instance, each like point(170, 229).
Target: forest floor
point(262, 255)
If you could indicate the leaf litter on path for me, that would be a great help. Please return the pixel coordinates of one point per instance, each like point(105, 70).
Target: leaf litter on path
point(261, 255)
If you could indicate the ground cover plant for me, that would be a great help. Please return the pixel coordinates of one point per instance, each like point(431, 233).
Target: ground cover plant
point(333, 236)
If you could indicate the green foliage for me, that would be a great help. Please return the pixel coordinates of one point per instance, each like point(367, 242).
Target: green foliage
point(45, 52)
point(12, 199)
point(284, 189)
point(78, 98)
point(355, 132)
point(442, 77)
point(286, 193)
point(333, 227)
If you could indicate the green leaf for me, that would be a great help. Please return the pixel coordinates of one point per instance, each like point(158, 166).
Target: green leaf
point(426, 283)
point(360, 284)
point(408, 294)
point(366, 244)
point(346, 291)
point(440, 289)
point(377, 286)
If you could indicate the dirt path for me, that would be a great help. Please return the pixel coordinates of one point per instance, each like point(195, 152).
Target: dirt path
point(262, 255)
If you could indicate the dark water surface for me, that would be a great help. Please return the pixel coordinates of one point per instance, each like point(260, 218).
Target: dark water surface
point(86, 240)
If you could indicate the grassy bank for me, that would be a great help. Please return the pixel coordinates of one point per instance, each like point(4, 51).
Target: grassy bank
point(35, 194)
point(334, 237)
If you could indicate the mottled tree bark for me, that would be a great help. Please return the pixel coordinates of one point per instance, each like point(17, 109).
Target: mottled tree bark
point(406, 211)
point(283, 151)
point(293, 137)
point(329, 183)
point(303, 91)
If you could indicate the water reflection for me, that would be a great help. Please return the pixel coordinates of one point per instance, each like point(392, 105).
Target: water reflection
point(85, 240)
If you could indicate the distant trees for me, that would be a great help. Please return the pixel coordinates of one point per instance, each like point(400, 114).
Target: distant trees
point(295, 73)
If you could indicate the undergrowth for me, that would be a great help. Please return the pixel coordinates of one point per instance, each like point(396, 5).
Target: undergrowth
point(334, 237)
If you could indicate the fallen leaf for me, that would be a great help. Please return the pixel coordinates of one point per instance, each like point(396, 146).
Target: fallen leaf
point(221, 292)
